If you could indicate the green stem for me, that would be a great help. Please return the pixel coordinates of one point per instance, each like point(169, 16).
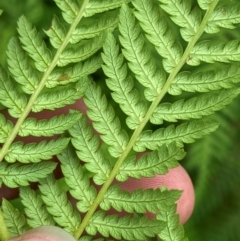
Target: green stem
point(4, 233)
point(138, 131)
point(42, 83)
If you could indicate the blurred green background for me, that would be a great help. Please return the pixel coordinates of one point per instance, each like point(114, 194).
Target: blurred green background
point(212, 162)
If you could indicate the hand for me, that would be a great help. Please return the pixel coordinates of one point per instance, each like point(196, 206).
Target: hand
point(176, 178)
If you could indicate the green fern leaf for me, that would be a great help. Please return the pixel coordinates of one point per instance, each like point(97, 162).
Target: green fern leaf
point(204, 4)
point(181, 13)
point(14, 220)
point(99, 6)
point(33, 44)
point(137, 228)
point(6, 127)
point(210, 52)
point(184, 133)
point(35, 152)
point(73, 74)
point(87, 146)
point(83, 52)
point(77, 180)
point(158, 33)
point(37, 214)
point(10, 96)
point(173, 231)
point(55, 125)
point(156, 162)
point(140, 61)
point(121, 85)
point(224, 17)
point(56, 33)
point(19, 67)
point(206, 81)
point(16, 175)
point(104, 120)
point(139, 201)
point(195, 107)
point(86, 32)
point(52, 100)
point(58, 205)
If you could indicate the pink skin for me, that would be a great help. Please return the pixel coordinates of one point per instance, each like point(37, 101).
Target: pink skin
point(176, 178)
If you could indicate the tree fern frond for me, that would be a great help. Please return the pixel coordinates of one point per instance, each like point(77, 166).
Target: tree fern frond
point(136, 228)
point(183, 133)
point(10, 96)
point(139, 200)
point(73, 74)
point(138, 56)
point(14, 220)
point(77, 180)
point(87, 146)
point(83, 52)
point(52, 100)
point(224, 17)
point(104, 120)
point(206, 81)
point(86, 32)
point(70, 9)
point(56, 33)
point(6, 127)
point(156, 162)
point(55, 125)
point(58, 205)
point(37, 214)
point(35, 152)
point(99, 6)
point(210, 52)
point(33, 44)
point(158, 33)
point(19, 67)
point(181, 13)
point(195, 108)
point(16, 175)
point(121, 85)
point(173, 231)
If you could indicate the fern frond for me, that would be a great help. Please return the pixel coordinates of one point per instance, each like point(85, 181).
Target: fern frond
point(99, 6)
point(224, 17)
point(15, 221)
point(104, 120)
point(184, 133)
point(10, 97)
point(33, 44)
point(173, 231)
point(37, 214)
point(101, 25)
point(87, 146)
point(138, 56)
point(16, 175)
point(139, 201)
point(210, 52)
point(35, 152)
point(204, 4)
point(19, 67)
point(195, 107)
point(6, 127)
point(83, 52)
point(158, 33)
point(55, 125)
point(58, 205)
point(77, 180)
point(121, 85)
point(184, 16)
point(136, 228)
point(206, 80)
point(156, 162)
